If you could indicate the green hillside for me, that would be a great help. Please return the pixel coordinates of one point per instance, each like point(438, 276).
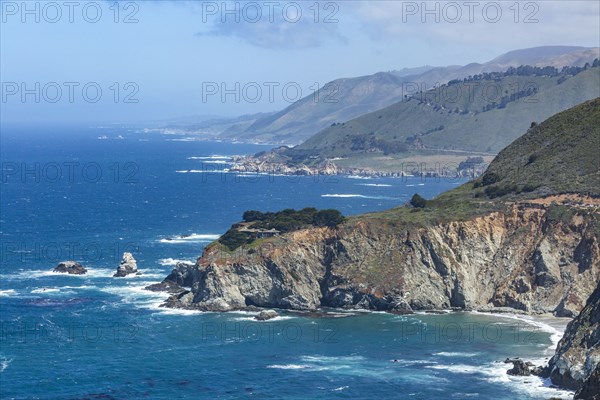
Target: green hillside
point(478, 114)
point(558, 156)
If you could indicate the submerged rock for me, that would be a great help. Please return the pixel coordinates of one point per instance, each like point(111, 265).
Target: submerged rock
point(128, 266)
point(70, 267)
point(165, 286)
point(265, 315)
point(521, 368)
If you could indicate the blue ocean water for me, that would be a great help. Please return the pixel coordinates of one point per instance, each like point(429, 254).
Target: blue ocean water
point(66, 194)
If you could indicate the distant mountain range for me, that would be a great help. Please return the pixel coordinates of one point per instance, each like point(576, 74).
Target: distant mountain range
point(347, 98)
point(483, 113)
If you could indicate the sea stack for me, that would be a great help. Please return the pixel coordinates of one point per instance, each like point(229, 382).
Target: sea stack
point(70, 267)
point(128, 266)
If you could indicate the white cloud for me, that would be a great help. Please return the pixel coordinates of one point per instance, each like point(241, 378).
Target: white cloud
point(275, 25)
point(478, 22)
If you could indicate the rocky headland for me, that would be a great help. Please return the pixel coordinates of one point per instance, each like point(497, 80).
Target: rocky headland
point(523, 237)
point(522, 259)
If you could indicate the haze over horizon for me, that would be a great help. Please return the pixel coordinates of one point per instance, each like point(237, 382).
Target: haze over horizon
point(173, 58)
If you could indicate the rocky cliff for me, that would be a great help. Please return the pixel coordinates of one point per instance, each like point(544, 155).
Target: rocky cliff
point(576, 364)
point(524, 257)
point(523, 236)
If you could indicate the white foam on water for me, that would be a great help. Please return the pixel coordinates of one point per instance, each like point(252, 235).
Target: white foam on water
point(97, 273)
point(191, 238)
point(173, 261)
point(4, 363)
point(212, 157)
point(243, 312)
point(274, 319)
point(496, 373)
point(555, 334)
point(411, 362)
point(361, 196)
point(34, 274)
point(46, 290)
point(145, 274)
point(137, 295)
point(198, 171)
point(455, 354)
point(330, 359)
point(179, 311)
point(338, 389)
point(7, 293)
point(82, 287)
point(374, 184)
point(216, 162)
point(358, 177)
point(289, 366)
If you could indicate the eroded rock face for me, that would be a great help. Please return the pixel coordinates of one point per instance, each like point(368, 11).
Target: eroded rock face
point(128, 266)
point(70, 267)
point(590, 389)
point(183, 275)
point(578, 352)
point(515, 259)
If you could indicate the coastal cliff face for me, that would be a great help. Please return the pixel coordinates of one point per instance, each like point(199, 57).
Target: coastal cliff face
point(524, 258)
point(576, 363)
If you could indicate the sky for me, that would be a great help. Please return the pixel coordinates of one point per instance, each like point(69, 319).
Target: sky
point(138, 61)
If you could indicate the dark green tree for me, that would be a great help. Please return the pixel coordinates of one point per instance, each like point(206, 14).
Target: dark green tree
point(330, 218)
point(417, 201)
point(252, 215)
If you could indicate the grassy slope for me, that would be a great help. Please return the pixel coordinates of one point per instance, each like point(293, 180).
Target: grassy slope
point(567, 161)
point(563, 153)
point(481, 132)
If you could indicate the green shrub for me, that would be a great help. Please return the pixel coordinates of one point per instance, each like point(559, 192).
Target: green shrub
point(529, 188)
point(330, 217)
point(253, 215)
point(532, 158)
point(489, 178)
point(417, 201)
point(234, 239)
point(500, 190)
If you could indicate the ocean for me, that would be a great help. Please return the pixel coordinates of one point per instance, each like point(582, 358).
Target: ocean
point(90, 193)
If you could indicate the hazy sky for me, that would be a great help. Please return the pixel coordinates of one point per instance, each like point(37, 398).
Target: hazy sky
point(161, 59)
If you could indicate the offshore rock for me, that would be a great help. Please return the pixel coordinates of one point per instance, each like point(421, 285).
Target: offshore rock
point(128, 266)
point(520, 367)
point(70, 267)
point(266, 315)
